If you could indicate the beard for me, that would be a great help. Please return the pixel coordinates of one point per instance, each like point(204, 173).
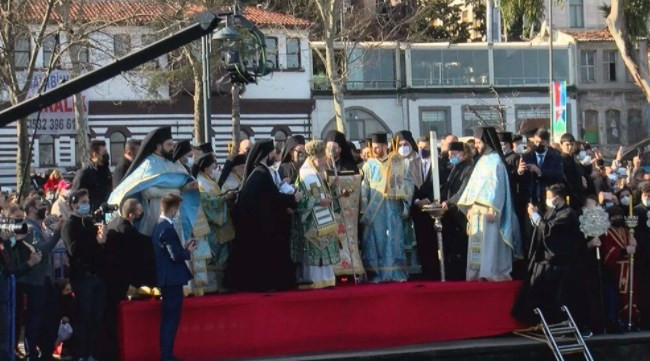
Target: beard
point(168, 155)
point(270, 161)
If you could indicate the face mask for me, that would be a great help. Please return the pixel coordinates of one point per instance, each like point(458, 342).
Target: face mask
point(625, 201)
point(454, 160)
point(540, 149)
point(587, 160)
point(613, 177)
point(404, 150)
point(646, 202)
point(83, 209)
point(424, 153)
point(12, 241)
point(520, 149)
point(609, 204)
point(190, 161)
point(41, 213)
point(550, 203)
point(106, 159)
point(581, 155)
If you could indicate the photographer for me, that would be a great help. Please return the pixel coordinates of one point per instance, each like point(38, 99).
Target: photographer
point(84, 245)
point(129, 256)
point(16, 259)
point(37, 285)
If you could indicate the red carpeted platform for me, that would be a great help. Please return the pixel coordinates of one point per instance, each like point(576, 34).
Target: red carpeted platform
point(346, 318)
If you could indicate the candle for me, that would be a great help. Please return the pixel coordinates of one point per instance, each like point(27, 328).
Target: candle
point(631, 207)
point(433, 143)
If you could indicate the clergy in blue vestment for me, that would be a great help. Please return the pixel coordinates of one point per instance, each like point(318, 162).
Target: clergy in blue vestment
point(386, 194)
point(489, 207)
point(153, 175)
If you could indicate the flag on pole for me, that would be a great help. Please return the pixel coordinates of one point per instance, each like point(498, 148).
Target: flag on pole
point(559, 126)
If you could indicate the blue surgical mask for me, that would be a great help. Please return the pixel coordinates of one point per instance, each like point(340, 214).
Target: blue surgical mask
point(613, 177)
point(190, 161)
point(625, 201)
point(646, 202)
point(12, 241)
point(609, 204)
point(454, 160)
point(83, 209)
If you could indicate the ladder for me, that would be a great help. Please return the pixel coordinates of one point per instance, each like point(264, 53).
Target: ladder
point(564, 338)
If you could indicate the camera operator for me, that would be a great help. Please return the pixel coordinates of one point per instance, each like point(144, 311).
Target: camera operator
point(16, 259)
point(129, 255)
point(84, 245)
point(37, 284)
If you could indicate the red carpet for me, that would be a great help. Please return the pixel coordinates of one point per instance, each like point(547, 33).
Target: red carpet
point(346, 318)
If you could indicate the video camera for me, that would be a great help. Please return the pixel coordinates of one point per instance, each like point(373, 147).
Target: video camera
point(100, 215)
point(11, 226)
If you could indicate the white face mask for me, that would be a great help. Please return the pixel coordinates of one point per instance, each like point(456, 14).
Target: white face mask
point(625, 201)
point(613, 177)
point(550, 203)
point(190, 161)
point(582, 155)
point(404, 150)
point(520, 149)
point(12, 241)
point(587, 160)
point(646, 202)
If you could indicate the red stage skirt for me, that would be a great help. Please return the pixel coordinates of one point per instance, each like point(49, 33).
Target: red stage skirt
point(245, 325)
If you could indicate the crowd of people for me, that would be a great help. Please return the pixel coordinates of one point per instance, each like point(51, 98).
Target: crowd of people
point(170, 221)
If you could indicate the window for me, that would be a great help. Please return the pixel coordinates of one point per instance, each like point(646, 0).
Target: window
point(475, 117)
point(118, 142)
point(613, 126)
point(449, 67)
point(360, 123)
point(148, 39)
point(372, 69)
point(590, 127)
point(529, 67)
point(48, 50)
point(635, 126)
point(434, 120)
point(271, 52)
point(293, 53)
point(609, 64)
point(46, 150)
point(121, 45)
point(22, 52)
point(587, 66)
point(280, 138)
point(82, 54)
point(576, 14)
point(531, 113)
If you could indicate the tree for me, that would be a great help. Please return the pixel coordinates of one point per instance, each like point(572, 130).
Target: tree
point(17, 68)
point(439, 21)
point(627, 21)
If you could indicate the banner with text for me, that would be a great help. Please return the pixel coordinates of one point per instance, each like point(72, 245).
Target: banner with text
point(559, 126)
point(57, 118)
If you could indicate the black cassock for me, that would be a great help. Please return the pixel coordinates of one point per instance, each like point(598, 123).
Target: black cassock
point(260, 258)
point(550, 281)
point(642, 262)
point(454, 222)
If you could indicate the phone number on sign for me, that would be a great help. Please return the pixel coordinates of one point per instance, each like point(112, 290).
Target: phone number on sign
point(52, 125)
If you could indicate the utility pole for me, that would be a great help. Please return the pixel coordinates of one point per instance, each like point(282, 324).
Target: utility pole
point(550, 63)
point(207, 108)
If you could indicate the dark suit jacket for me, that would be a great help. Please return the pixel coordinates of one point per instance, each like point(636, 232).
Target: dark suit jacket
point(573, 180)
point(552, 173)
point(170, 255)
point(426, 189)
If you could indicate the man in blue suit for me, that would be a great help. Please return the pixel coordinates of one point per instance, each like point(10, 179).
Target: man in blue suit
point(172, 272)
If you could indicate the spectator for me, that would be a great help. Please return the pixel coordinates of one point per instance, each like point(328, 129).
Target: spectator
point(130, 151)
point(95, 177)
point(84, 246)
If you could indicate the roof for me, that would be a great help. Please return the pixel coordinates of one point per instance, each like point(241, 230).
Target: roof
point(141, 12)
point(590, 35)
